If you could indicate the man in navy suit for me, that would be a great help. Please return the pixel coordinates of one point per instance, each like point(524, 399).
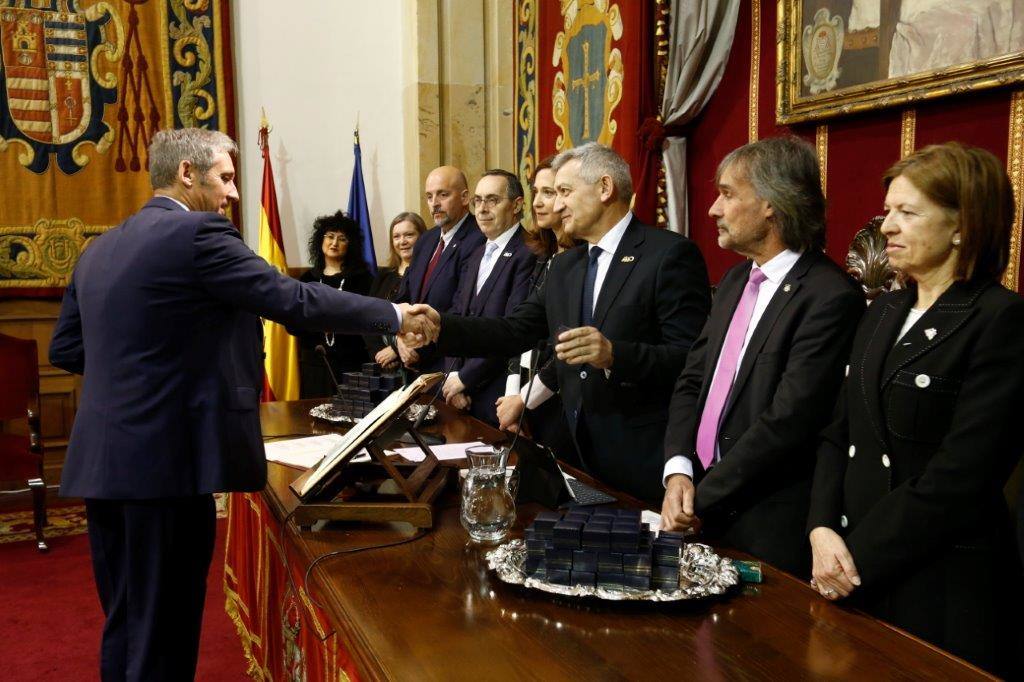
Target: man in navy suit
point(497, 279)
point(439, 256)
point(162, 318)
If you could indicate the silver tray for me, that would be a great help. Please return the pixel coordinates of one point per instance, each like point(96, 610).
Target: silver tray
point(328, 412)
point(702, 574)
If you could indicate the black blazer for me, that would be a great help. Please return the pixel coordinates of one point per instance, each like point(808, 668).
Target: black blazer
point(505, 288)
point(756, 497)
point(651, 306)
point(444, 281)
point(162, 317)
point(912, 470)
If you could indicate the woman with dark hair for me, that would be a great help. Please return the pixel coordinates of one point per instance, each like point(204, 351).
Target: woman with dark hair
point(908, 519)
point(335, 251)
point(547, 422)
point(403, 232)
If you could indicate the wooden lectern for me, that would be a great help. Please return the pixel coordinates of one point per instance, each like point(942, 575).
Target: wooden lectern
point(339, 489)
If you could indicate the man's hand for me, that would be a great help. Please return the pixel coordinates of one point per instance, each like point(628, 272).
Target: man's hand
point(386, 357)
point(460, 401)
point(834, 573)
point(510, 407)
point(452, 386)
point(677, 507)
point(420, 324)
point(584, 346)
point(408, 355)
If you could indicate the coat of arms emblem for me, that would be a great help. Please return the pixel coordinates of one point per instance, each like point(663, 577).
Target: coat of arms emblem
point(589, 86)
point(57, 76)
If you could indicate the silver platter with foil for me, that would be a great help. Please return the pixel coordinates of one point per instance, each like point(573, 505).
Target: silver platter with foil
point(331, 413)
point(702, 574)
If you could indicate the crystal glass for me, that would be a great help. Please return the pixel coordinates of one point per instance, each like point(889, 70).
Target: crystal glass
point(487, 508)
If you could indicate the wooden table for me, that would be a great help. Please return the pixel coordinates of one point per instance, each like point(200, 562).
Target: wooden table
point(430, 609)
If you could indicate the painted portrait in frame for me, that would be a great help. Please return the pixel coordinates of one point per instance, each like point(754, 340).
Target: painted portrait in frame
point(842, 56)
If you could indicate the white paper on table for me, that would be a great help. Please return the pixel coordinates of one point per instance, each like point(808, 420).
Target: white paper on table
point(442, 452)
point(306, 453)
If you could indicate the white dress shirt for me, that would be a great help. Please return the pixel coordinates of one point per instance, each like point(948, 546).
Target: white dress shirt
point(609, 244)
point(775, 270)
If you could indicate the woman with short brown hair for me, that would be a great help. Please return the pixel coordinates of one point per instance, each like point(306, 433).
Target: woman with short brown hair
point(907, 515)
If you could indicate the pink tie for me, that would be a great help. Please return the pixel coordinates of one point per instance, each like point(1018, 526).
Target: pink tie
point(721, 383)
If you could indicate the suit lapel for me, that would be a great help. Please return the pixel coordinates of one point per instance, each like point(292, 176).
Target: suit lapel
point(939, 322)
point(876, 351)
point(446, 256)
point(787, 289)
point(577, 272)
point(624, 260)
point(419, 265)
point(501, 262)
point(472, 271)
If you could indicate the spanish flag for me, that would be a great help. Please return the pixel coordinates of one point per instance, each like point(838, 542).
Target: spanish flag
point(280, 349)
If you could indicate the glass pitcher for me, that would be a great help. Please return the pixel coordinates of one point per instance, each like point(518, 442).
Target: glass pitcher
point(487, 508)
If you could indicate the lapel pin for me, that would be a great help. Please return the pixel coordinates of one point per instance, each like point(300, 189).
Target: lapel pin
point(507, 254)
point(930, 333)
point(628, 259)
point(787, 287)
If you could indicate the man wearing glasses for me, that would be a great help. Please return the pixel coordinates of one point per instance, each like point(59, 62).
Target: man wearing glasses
point(496, 280)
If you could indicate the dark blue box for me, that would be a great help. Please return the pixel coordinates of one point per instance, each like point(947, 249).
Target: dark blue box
point(558, 558)
point(583, 560)
point(585, 578)
point(636, 564)
point(636, 582)
point(610, 581)
point(609, 562)
point(558, 576)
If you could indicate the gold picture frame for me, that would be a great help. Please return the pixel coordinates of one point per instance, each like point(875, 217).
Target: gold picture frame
point(832, 61)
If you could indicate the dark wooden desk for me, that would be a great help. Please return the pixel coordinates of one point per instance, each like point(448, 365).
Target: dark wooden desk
point(429, 609)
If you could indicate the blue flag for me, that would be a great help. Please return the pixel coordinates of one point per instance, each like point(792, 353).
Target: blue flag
point(358, 209)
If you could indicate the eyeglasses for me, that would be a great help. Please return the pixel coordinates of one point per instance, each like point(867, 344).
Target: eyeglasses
point(489, 201)
point(335, 238)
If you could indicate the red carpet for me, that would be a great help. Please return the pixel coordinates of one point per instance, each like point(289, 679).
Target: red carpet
point(50, 617)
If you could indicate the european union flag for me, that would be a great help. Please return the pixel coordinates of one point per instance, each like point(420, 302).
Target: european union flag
point(359, 211)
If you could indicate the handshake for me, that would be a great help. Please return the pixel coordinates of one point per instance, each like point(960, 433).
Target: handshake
point(421, 325)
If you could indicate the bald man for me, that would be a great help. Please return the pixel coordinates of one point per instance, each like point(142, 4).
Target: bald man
point(440, 255)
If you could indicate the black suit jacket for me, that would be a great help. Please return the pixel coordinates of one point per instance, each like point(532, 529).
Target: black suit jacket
point(756, 497)
point(912, 470)
point(162, 317)
point(505, 288)
point(651, 306)
point(439, 293)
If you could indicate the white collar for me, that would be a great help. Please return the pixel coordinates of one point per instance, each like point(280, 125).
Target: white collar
point(610, 241)
point(448, 236)
point(505, 237)
point(776, 269)
point(174, 200)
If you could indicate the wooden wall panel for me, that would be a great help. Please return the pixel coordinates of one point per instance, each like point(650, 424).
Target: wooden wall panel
point(59, 391)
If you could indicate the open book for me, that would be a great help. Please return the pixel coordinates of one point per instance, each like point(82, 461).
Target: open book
point(364, 430)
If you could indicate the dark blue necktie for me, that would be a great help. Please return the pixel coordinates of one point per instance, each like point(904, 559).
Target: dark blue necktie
point(587, 314)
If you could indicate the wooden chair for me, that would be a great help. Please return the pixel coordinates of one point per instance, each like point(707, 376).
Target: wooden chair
point(21, 454)
point(867, 262)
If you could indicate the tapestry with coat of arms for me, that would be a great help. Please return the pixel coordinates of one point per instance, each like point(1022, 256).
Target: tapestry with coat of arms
point(581, 66)
point(84, 85)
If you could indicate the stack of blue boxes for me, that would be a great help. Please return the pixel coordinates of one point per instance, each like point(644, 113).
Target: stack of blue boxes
point(602, 547)
point(362, 391)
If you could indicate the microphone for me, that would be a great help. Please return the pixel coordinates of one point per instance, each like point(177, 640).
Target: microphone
point(322, 352)
point(519, 427)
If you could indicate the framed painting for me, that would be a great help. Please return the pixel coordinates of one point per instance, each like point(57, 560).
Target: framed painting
point(839, 57)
